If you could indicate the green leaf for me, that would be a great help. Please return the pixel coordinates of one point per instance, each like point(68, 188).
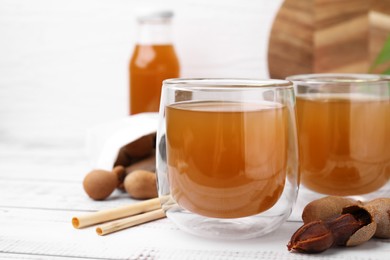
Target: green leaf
point(384, 54)
point(386, 72)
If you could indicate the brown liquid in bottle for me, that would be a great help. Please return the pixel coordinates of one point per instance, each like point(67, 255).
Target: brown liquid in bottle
point(149, 66)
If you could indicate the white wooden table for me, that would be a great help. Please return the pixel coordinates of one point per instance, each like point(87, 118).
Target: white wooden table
point(40, 191)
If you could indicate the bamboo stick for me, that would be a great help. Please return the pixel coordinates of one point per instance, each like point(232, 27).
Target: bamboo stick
point(120, 224)
point(116, 213)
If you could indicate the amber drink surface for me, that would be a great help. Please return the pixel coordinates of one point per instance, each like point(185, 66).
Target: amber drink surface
point(344, 142)
point(226, 159)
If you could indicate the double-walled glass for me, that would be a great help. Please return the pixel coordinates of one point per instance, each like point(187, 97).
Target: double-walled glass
point(344, 134)
point(227, 159)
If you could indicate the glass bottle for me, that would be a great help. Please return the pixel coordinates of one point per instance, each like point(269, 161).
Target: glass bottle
point(154, 59)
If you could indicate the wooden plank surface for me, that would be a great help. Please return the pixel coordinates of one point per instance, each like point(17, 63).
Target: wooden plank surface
point(325, 36)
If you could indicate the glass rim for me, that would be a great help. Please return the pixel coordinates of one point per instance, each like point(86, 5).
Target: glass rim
point(338, 78)
point(227, 83)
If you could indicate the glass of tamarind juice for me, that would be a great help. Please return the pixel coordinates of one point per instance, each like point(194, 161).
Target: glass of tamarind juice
point(227, 157)
point(344, 134)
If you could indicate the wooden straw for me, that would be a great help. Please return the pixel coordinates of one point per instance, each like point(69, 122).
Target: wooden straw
point(120, 224)
point(116, 213)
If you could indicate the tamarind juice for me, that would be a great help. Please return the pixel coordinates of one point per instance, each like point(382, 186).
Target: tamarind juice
point(344, 143)
point(226, 159)
point(149, 66)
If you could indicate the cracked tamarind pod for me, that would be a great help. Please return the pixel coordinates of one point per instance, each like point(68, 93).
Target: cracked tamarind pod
point(380, 210)
point(326, 207)
point(318, 236)
point(351, 225)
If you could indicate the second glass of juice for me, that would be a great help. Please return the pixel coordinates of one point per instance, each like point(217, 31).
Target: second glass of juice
point(344, 134)
point(227, 157)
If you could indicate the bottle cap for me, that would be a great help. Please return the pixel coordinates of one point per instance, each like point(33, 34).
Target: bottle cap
point(150, 14)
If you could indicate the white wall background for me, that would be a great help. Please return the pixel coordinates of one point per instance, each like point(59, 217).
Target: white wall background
point(63, 63)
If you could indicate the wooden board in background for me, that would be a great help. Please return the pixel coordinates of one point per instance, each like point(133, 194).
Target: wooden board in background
point(319, 36)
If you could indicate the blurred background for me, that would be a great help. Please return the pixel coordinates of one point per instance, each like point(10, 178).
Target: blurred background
point(64, 64)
